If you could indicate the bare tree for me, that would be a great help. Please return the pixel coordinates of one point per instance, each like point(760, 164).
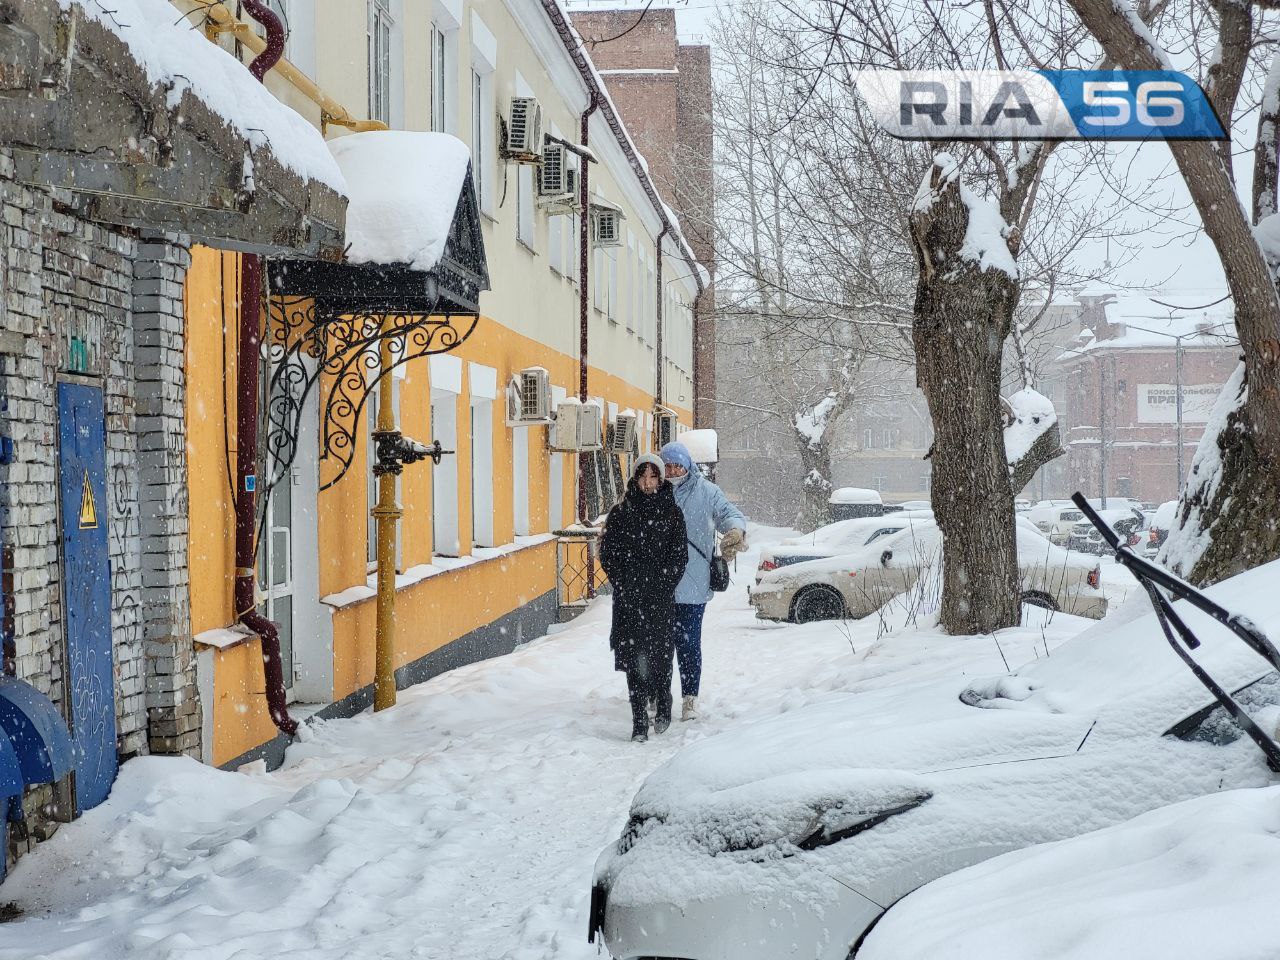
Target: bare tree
point(1227, 515)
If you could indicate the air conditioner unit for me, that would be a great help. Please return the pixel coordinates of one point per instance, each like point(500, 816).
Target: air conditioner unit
point(529, 398)
point(557, 181)
point(563, 435)
point(622, 434)
point(606, 225)
point(665, 426)
point(524, 130)
point(589, 428)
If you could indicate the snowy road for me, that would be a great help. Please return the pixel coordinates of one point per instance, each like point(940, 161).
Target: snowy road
point(462, 824)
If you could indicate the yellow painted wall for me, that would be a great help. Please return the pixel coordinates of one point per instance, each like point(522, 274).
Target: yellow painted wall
point(211, 410)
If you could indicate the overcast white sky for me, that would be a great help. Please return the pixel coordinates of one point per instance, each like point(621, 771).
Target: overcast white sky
point(1184, 269)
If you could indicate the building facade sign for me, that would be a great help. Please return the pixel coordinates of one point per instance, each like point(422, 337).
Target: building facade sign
point(1158, 402)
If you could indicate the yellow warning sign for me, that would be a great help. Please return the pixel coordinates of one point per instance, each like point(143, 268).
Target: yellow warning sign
point(88, 510)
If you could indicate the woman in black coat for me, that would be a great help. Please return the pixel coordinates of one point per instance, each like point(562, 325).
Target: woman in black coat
point(644, 551)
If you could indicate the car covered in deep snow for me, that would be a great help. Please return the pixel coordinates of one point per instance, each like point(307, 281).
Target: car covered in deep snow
point(1161, 523)
point(788, 838)
point(856, 582)
point(835, 539)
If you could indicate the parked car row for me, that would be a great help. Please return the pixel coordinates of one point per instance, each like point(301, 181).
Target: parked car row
point(853, 568)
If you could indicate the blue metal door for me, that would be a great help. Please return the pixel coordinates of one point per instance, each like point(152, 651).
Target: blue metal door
point(86, 591)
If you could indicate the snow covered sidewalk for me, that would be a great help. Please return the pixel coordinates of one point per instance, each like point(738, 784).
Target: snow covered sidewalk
point(462, 824)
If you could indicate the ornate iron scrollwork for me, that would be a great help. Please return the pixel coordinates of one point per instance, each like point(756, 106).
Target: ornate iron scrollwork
point(307, 341)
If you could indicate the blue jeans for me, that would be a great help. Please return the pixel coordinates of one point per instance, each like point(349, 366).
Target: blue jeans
point(689, 646)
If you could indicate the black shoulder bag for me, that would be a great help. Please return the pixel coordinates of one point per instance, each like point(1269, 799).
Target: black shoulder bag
point(719, 569)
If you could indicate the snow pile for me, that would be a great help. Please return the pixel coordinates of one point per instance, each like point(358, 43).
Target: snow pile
point(703, 445)
point(1188, 540)
point(175, 55)
point(1033, 415)
point(1196, 879)
point(404, 190)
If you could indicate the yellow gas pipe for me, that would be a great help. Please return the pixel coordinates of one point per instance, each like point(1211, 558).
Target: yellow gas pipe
point(386, 515)
point(221, 20)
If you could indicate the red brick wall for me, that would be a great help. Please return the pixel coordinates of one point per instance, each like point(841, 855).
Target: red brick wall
point(1144, 452)
point(667, 107)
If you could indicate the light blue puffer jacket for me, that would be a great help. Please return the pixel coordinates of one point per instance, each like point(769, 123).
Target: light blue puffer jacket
point(706, 511)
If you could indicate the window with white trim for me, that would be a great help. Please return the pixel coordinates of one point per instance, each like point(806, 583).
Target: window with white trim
point(483, 113)
point(444, 475)
point(520, 481)
point(612, 307)
point(482, 472)
point(381, 28)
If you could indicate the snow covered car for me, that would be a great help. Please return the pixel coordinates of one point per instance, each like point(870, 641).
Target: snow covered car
point(860, 581)
point(1127, 522)
point(1055, 519)
point(788, 838)
point(835, 539)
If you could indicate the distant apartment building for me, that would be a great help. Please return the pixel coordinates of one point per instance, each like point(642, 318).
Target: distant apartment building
point(662, 89)
point(1123, 376)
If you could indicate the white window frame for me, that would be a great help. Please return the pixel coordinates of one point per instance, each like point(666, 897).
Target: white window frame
point(443, 65)
point(526, 192)
point(481, 429)
point(520, 481)
point(380, 35)
point(484, 111)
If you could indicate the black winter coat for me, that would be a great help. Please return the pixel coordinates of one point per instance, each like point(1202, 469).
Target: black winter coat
point(644, 552)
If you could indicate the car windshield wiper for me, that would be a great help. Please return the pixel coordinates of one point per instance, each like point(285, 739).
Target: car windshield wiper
point(1152, 579)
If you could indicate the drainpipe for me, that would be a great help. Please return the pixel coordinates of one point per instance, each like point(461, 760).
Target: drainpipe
point(584, 278)
point(247, 373)
point(659, 351)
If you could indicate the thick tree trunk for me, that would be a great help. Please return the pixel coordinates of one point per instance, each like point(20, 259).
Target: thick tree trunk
point(816, 487)
point(963, 313)
point(1229, 515)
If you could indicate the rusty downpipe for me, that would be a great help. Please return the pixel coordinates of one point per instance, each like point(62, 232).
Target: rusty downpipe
point(584, 297)
point(247, 374)
point(658, 335)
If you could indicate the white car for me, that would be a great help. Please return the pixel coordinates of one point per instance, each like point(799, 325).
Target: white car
point(802, 588)
point(788, 838)
point(837, 538)
point(1055, 520)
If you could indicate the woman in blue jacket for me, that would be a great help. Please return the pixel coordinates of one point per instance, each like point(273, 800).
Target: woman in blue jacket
point(707, 511)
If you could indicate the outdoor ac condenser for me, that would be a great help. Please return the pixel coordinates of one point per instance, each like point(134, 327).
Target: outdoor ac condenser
point(665, 424)
point(529, 398)
point(589, 428)
point(524, 130)
point(563, 435)
point(622, 434)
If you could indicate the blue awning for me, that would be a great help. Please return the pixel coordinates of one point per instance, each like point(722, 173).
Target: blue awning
point(36, 731)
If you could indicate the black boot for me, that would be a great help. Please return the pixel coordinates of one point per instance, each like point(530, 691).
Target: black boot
point(662, 719)
point(640, 731)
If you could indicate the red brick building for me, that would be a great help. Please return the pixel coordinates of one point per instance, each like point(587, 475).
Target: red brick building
point(1120, 423)
point(662, 88)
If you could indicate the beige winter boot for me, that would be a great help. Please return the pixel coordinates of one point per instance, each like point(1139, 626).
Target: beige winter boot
point(689, 708)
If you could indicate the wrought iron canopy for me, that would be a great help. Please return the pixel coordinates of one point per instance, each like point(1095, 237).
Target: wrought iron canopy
point(353, 324)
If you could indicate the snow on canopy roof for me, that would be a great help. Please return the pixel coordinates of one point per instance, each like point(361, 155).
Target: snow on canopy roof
point(703, 445)
point(176, 55)
point(404, 190)
point(855, 495)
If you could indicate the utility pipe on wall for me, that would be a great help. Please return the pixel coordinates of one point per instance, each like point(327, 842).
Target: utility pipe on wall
point(247, 376)
point(584, 316)
point(659, 335)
